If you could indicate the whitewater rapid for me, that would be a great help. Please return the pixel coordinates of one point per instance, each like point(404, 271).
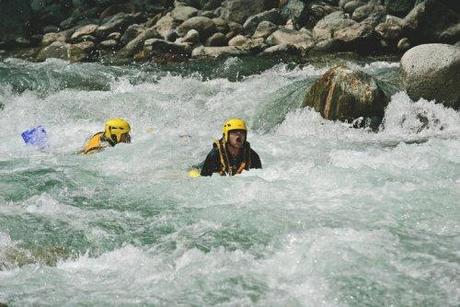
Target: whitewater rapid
point(337, 216)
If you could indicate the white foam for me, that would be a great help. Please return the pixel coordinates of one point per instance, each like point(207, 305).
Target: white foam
point(329, 207)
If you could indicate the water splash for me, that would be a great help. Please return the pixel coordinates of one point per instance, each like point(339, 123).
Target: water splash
point(338, 216)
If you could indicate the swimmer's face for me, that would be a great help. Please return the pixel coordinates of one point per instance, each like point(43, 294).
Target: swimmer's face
point(125, 138)
point(237, 138)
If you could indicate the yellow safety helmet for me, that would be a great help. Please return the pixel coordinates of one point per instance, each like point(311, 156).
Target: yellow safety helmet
point(233, 124)
point(115, 128)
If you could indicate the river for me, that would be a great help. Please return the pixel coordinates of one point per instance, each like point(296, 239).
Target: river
point(337, 216)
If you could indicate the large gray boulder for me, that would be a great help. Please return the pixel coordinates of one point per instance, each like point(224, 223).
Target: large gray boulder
point(432, 71)
point(345, 94)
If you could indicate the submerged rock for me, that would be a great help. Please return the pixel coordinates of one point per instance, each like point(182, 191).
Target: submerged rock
point(345, 94)
point(432, 71)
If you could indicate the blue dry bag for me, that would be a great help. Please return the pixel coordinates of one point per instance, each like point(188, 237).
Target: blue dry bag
point(36, 137)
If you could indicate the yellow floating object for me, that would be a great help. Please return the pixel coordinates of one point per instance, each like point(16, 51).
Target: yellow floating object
point(194, 172)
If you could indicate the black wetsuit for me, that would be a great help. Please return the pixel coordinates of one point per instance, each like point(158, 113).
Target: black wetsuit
point(212, 163)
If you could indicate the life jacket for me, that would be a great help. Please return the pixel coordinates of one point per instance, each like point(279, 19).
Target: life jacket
point(95, 143)
point(225, 167)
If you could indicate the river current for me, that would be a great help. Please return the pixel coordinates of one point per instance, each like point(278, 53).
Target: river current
point(337, 216)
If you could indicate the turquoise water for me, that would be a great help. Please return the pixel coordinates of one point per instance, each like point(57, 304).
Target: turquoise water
point(337, 216)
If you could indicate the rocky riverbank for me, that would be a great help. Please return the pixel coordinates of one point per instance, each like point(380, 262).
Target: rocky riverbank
point(429, 71)
point(144, 31)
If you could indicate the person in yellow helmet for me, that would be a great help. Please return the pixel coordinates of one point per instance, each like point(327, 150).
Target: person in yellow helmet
point(116, 131)
point(232, 153)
